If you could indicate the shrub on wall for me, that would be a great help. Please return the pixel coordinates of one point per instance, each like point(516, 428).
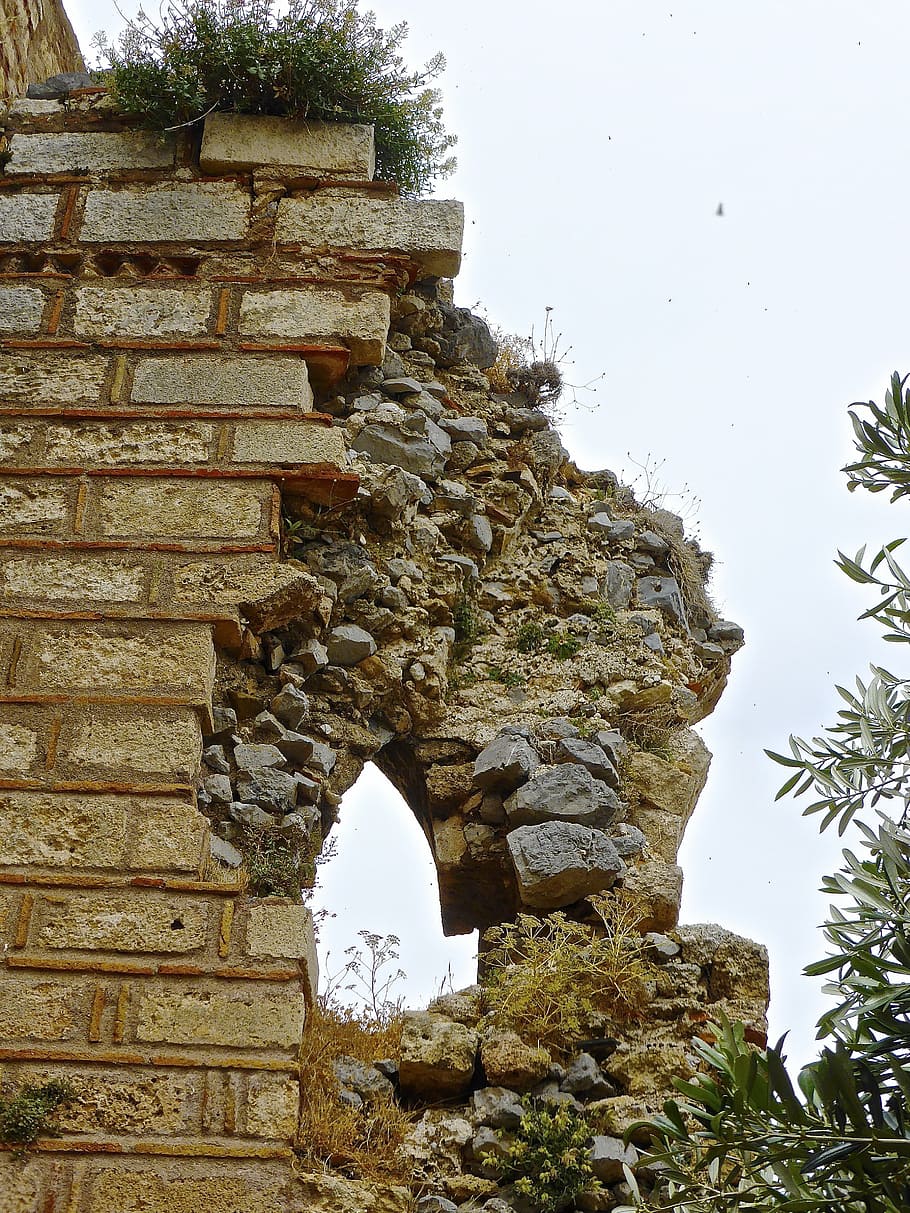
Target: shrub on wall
point(317, 59)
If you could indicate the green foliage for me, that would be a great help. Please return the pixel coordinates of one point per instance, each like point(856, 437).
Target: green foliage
point(548, 978)
point(745, 1138)
point(529, 638)
point(316, 59)
point(275, 868)
point(508, 678)
point(27, 1115)
point(550, 1157)
point(563, 645)
point(464, 621)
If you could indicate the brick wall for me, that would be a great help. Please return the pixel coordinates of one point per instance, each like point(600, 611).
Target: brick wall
point(36, 41)
point(161, 333)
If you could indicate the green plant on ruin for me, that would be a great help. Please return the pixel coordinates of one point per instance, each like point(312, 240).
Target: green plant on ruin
point(273, 864)
point(466, 625)
point(508, 678)
point(315, 59)
point(549, 1158)
point(549, 978)
point(529, 638)
point(563, 645)
point(28, 1114)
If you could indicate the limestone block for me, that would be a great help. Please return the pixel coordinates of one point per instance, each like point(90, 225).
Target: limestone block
point(141, 312)
point(232, 142)
point(35, 508)
point(127, 1101)
point(21, 308)
point(648, 1067)
point(63, 830)
point(663, 831)
point(288, 442)
point(202, 379)
point(184, 509)
point(331, 1193)
point(144, 741)
point(186, 1186)
point(558, 862)
point(18, 748)
point(269, 1017)
point(317, 313)
point(658, 887)
point(271, 1107)
point(437, 1056)
point(268, 595)
point(176, 659)
point(91, 444)
point(20, 1183)
point(15, 438)
point(673, 786)
point(27, 217)
point(42, 1010)
point(122, 922)
point(430, 230)
point(562, 793)
point(509, 1062)
point(97, 151)
point(739, 970)
point(608, 1154)
point(280, 929)
point(203, 210)
point(505, 763)
point(50, 379)
point(65, 578)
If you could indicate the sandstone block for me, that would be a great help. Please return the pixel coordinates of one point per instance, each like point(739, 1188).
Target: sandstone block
point(187, 1186)
point(145, 741)
point(121, 922)
point(429, 229)
point(271, 1107)
point(42, 1010)
point(132, 1100)
point(658, 887)
point(279, 929)
point(509, 1062)
point(184, 509)
point(21, 308)
point(63, 830)
point(91, 444)
point(288, 442)
point(141, 312)
point(97, 151)
point(36, 508)
point(27, 217)
point(15, 438)
point(18, 748)
point(437, 1056)
point(232, 142)
point(202, 379)
point(27, 378)
point(65, 578)
point(673, 786)
point(558, 862)
point(21, 1183)
point(203, 210)
point(739, 970)
point(176, 659)
point(318, 313)
point(267, 1017)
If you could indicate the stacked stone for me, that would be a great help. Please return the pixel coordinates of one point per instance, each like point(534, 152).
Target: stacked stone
point(161, 325)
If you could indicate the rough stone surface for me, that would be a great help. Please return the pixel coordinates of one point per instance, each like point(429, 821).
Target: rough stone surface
point(437, 1056)
point(318, 313)
point(558, 862)
point(562, 793)
point(140, 312)
point(319, 149)
point(201, 379)
point(26, 217)
point(505, 763)
point(95, 151)
point(21, 308)
point(199, 211)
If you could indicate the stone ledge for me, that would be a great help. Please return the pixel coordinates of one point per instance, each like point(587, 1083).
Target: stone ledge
point(232, 142)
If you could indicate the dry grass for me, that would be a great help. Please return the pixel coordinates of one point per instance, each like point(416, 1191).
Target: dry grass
point(686, 561)
point(512, 356)
point(363, 1143)
point(547, 978)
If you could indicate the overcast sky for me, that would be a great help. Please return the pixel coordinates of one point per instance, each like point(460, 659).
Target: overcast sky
point(596, 142)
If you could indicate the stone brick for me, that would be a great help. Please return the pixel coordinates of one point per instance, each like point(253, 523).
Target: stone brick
point(186, 1186)
point(204, 210)
point(36, 508)
point(121, 922)
point(41, 1010)
point(141, 312)
point(145, 741)
point(283, 930)
point(271, 1107)
point(185, 509)
point(63, 830)
point(175, 659)
point(97, 151)
point(20, 1183)
point(233, 142)
point(15, 438)
point(21, 308)
point(50, 379)
point(18, 748)
point(264, 1017)
point(428, 229)
point(199, 379)
point(71, 578)
point(27, 217)
point(124, 443)
point(316, 313)
point(288, 442)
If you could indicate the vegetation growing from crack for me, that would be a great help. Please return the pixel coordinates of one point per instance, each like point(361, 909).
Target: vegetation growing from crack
point(549, 1158)
point(28, 1114)
point(313, 59)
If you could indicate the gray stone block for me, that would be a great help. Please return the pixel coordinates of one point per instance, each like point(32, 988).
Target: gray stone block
point(559, 862)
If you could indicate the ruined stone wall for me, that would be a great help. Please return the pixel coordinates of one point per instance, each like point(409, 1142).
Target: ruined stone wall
point(263, 520)
point(36, 41)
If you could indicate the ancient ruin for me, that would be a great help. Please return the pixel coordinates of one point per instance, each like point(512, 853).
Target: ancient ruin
point(263, 520)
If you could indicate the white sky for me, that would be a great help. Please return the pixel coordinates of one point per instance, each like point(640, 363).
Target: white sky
point(595, 143)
